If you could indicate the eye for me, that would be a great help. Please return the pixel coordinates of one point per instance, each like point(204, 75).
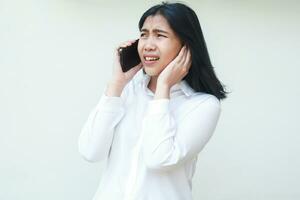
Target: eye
point(142, 35)
point(160, 35)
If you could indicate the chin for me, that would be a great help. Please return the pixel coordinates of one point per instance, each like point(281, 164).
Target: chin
point(151, 72)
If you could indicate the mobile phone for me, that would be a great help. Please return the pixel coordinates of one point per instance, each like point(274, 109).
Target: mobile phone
point(129, 56)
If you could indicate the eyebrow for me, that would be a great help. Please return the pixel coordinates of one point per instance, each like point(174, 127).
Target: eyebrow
point(155, 30)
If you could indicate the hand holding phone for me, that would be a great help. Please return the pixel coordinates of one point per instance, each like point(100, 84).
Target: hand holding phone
point(129, 56)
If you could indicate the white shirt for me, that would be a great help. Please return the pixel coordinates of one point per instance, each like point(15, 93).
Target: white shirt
point(150, 146)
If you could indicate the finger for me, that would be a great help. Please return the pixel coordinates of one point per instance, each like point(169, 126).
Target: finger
point(177, 62)
point(180, 55)
point(132, 41)
point(188, 60)
point(182, 58)
point(126, 43)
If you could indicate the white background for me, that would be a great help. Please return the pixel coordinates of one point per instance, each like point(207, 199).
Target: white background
point(56, 57)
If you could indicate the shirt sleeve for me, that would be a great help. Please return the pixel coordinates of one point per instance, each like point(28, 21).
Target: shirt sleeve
point(168, 143)
point(96, 136)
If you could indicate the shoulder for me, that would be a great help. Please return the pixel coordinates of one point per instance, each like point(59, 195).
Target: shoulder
point(204, 98)
point(203, 102)
point(194, 98)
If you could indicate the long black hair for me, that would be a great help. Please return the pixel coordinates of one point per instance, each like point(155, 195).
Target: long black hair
point(184, 22)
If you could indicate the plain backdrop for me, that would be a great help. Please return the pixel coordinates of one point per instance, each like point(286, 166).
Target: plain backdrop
point(56, 58)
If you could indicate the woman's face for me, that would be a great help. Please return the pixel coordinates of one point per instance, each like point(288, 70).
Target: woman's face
point(158, 44)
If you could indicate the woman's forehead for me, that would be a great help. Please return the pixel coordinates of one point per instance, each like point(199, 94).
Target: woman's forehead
point(156, 22)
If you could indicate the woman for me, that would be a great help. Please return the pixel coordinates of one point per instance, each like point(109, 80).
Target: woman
point(152, 121)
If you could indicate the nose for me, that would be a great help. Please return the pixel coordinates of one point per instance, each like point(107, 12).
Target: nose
point(149, 45)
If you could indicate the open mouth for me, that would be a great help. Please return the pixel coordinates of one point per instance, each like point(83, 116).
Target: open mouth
point(150, 58)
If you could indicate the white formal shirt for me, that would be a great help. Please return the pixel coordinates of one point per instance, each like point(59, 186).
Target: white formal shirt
point(150, 146)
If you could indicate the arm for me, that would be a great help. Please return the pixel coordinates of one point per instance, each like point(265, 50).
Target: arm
point(97, 134)
point(167, 143)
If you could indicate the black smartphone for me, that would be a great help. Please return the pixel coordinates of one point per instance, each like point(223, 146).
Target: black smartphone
point(129, 56)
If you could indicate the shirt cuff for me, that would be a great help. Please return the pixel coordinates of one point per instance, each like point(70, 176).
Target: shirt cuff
point(110, 104)
point(158, 106)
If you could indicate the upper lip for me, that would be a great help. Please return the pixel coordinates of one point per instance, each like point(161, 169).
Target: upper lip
point(151, 55)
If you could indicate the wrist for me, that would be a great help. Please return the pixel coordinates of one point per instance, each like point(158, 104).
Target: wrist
point(162, 91)
point(114, 89)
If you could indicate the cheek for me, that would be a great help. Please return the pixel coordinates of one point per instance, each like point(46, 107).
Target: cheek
point(171, 49)
point(171, 53)
point(140, 49)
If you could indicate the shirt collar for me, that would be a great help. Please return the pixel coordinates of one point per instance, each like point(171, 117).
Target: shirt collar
point(183, 86)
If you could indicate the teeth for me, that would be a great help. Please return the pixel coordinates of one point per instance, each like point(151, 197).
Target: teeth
point(151, 58)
